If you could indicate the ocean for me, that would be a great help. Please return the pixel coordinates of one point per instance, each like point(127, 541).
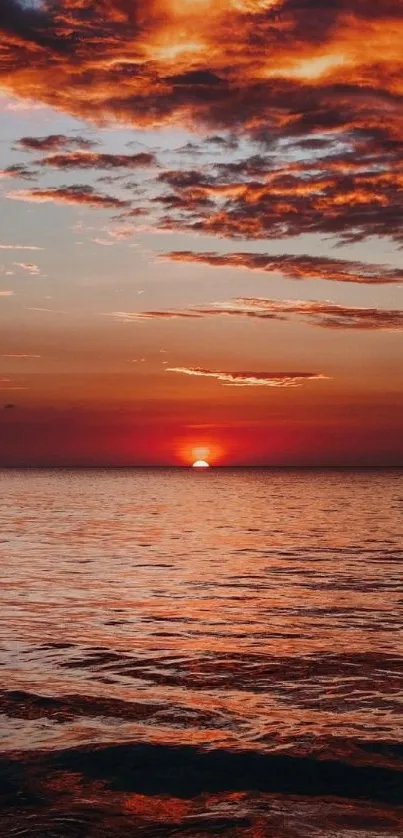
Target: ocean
point(201, 653)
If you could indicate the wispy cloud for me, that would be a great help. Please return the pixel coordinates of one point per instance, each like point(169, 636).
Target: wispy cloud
point(29, 267)
point(43, 309)
point(103, 242)
point(313, 312)
point(73, 195)
point(134, 316)
point(251, 379)
point(20, 247)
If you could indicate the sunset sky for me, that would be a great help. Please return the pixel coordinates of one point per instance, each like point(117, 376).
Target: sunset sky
point(201, 232)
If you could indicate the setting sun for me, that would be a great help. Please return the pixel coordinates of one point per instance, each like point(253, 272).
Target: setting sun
point(191, 452)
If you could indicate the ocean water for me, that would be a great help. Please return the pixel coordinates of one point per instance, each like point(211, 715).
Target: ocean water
point(201, 653)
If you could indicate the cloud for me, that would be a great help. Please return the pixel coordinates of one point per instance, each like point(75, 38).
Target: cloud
point(29, 267)
point(103, 242)
point(96, 160)
point(134, 316)
point(340, 197)
point(251, 379)
point(6, 293)
point(18, 170)
point(21, 357)
point(295, 266)
point(228, 142)
point(46, 310)
point(296, 77)
point(121, 232)
point(20, 247)
point(324, 314)
point(74, 195)
point(54, 143)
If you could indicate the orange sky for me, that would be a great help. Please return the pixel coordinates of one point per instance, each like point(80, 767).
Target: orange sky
point(201, 230)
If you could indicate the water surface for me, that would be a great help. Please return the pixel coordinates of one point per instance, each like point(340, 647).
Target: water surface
point(215, 653)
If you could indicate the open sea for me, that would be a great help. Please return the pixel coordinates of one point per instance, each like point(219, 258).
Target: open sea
point(201, 653)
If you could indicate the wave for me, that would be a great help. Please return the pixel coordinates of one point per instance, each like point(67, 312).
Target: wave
point(185, 772)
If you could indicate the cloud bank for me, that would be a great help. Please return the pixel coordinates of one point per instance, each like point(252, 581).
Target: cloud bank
point(303, 80)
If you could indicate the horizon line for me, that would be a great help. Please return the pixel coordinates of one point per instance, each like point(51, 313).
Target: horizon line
point(266, 466)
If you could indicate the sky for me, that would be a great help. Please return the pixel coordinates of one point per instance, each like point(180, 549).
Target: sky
point(201, 232)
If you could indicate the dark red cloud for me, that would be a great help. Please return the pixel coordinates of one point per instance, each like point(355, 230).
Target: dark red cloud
point(295, 266)
point(54, 143)
point(97, 160)
point(252, 200)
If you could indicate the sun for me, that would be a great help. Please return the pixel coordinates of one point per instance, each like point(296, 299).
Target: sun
point(201, 454)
